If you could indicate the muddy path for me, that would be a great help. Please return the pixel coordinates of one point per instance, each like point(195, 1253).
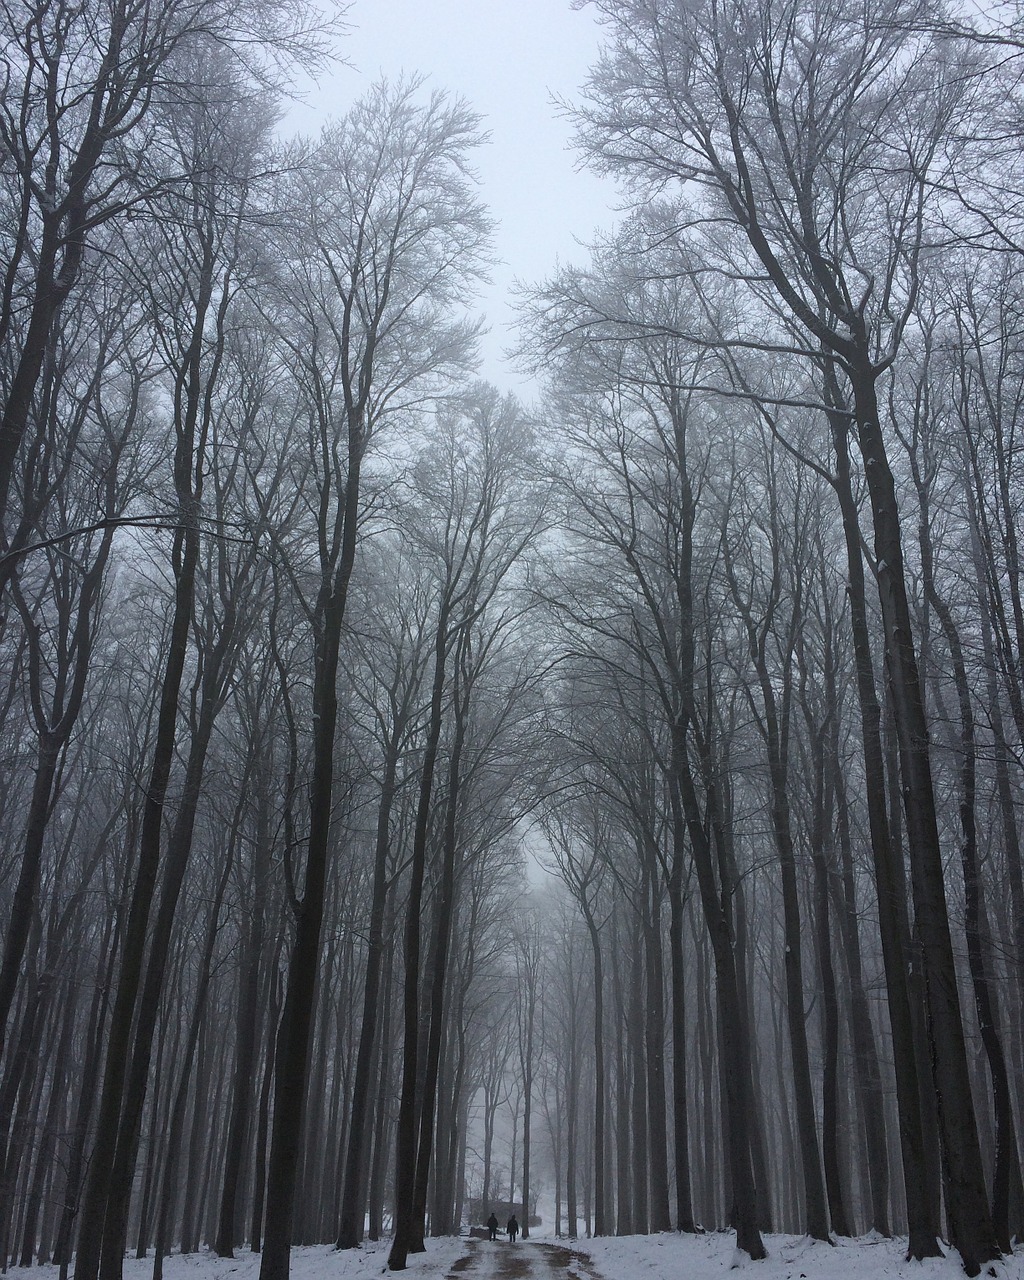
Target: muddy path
point(526, 1260)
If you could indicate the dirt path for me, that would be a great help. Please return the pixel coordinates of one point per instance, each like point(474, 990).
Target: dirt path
point(526, 1260)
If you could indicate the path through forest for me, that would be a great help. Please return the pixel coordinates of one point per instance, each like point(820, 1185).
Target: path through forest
point(526, 1260)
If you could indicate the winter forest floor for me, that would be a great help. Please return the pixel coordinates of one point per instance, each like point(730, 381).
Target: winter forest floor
point(659, 1257)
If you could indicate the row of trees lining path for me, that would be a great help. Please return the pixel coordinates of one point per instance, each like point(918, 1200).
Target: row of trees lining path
point(316, 652)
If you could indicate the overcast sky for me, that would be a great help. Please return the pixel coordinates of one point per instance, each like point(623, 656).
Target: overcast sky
point(508, 59)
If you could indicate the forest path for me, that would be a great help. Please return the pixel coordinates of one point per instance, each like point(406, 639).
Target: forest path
point(527, 1260)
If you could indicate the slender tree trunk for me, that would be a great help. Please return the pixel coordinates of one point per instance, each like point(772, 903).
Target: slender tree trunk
point(198, 1131)
point(1006, 1180)
point(733, 1050)
point(43, 1168)
point(571, 1128)
point(439, 967)
point(176, 859)
point(86, 1100)
point(18, 1080)
point(680, 1090)
point(970, 1221)
point(922, 1215)
point(295, 1033)
point(405, 1156)
point(705, 1022)
point(176, 1123)
point(152, 1144)
point(600, 1227)
point(623, 1187)
point(867, 1068)
point(829, 998)
point(640, 1130)
point(378, 1170)
point(48, 1141)
point(531, 1009)
point(23, 902)
point(259, 1176)
point(242, 1088)
point(353, 1201)
point(100, 1186)
point(775, 718)
point(654, 1034)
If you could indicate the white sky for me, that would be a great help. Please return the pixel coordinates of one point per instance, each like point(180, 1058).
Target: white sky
point(507, 58)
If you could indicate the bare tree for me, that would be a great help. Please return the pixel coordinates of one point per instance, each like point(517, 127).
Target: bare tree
point(476, 515)
point(726, 99)
point(202, 254)
point(388, 239)
point(80, 89)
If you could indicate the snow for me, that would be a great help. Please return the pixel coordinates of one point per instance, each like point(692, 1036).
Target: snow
point(659, 1257)
point(678, 1257)
point(310, 1262)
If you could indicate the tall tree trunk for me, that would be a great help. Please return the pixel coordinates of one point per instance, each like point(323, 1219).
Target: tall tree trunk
point(733, 1050)
point(829, 995)
point(623, 1185)
point(775, 716)
point(48, 1139)
point(654, 1036)
point(680, 1091)
point(867, 1068)
point(295, 1033)
point(1006, 1182)
point(86, 1099)
point(600, 1226)
point(189, 397)
point(439, 959)
point(922, 1214)
point(404, 1240)
point(259, 1175)
point(531, 1011)
point(640, 1170)
point(572, 1082)
point(198, 1131)
point(353, 1202)
point(705, 1022)
point(378, 1169)
point(175, 864)
point(970, 1221)
point(176, 1123)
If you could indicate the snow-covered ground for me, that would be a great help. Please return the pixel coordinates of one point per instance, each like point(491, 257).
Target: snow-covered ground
point(313, 1262)
point(674, 1257)
point(661, 1257)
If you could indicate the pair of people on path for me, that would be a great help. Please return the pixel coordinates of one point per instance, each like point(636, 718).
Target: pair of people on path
point(512, 1227)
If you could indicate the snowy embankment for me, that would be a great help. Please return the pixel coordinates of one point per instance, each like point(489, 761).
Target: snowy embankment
point(676, 1257)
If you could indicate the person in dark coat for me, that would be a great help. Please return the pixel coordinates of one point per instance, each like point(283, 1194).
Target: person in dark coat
point(512, 1228)
point(492, 1226)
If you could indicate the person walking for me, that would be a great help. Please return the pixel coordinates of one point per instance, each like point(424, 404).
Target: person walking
point(512, 1228)
point(492, 1226)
